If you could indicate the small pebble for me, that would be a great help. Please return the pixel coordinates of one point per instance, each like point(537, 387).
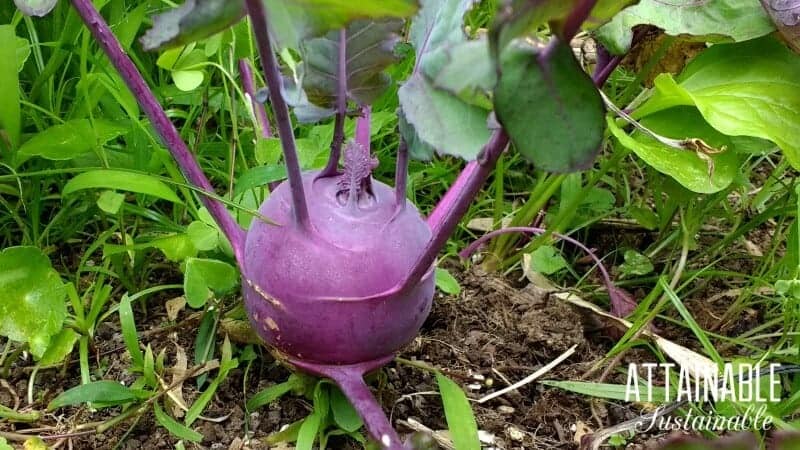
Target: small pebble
point(503, 409)
point(515, 434)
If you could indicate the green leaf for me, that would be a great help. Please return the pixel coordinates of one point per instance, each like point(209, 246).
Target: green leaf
point(188, 80)
point(716, 21)
point(464, 69)
point(550, 108)
point(33, 304)
point(105, 391)
point(274, 392)
point(173, 426)
point(786, 17)
point(23, 52)
point(176, 247)
point(71, 139)
point(369, 49)
point(205, 237)
point(205, 277)
point(547, 260)
point(685, 166)
point(745, 89)
point(192, 21)
point(268, 151)
point(129, 335)
point(258, 176)
point(291, 21)
point(447, 282)
point(120, 180)
point(37, 8)
point(443, 121)
point(10, 115)
point(110, 201)
point(60, 347)
point(435, 118)
point(460, 420)
point(636, 264)
point(4, 444)
point(344, 414)
point(605, 390)
point(308, 432)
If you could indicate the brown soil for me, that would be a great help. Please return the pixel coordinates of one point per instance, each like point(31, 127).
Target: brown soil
point(490, 335)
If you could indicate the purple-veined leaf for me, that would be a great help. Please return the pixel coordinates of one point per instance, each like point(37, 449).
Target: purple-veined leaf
point(37, 8)
point(369, 49)
point(549, 107)
point(786, 16)
point(292, 21)
point(192, 21)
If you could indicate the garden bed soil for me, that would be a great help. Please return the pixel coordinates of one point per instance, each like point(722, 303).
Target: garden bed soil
point(495, 332)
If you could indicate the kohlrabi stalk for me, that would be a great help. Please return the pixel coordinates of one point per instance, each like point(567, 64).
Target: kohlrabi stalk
point(249, 84)
point(332, 167)
point(454, 205)
point(575, 19)
point(401, 174)
point(258, 20)
point(161, 123)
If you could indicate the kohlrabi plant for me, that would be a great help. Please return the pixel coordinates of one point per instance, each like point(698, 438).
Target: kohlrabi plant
point(338, 268)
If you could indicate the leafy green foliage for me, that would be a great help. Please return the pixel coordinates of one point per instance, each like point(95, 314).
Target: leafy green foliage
point(10, 120)
point(636, 264)
point(35, 7)
point(32, 309)
point(369, 49)
point(786, 17)
point(460, 420)
point(524, 18)
point(184, 66)
point(118, 179)
point(549, 107)
point(745, 89)
point(206, 277)
point(71, 139)
point(717, 21)
point(173, 426)
point(191, 21)
point(109, 393)
point(436, 119)
point(447, 282)
point(547, 260)
point(292, 21)
point(688, 167)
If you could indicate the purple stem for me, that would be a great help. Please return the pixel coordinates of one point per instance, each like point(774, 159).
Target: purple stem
point(576, 18)
point(612, 290)
point(350, 379)
point(362, 136)
point(161, 123)
point(248, 81)
point(332, 168)
point(454, 205)
point(606, 63)
point(401, 175)
point(258, 18)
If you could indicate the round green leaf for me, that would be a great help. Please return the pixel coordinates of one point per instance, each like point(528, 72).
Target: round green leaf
point(550, 108)
point(32, 298)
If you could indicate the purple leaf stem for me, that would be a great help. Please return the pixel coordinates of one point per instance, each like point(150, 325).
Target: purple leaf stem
point(161, 123)
point(248, 81)
point(258, 19)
